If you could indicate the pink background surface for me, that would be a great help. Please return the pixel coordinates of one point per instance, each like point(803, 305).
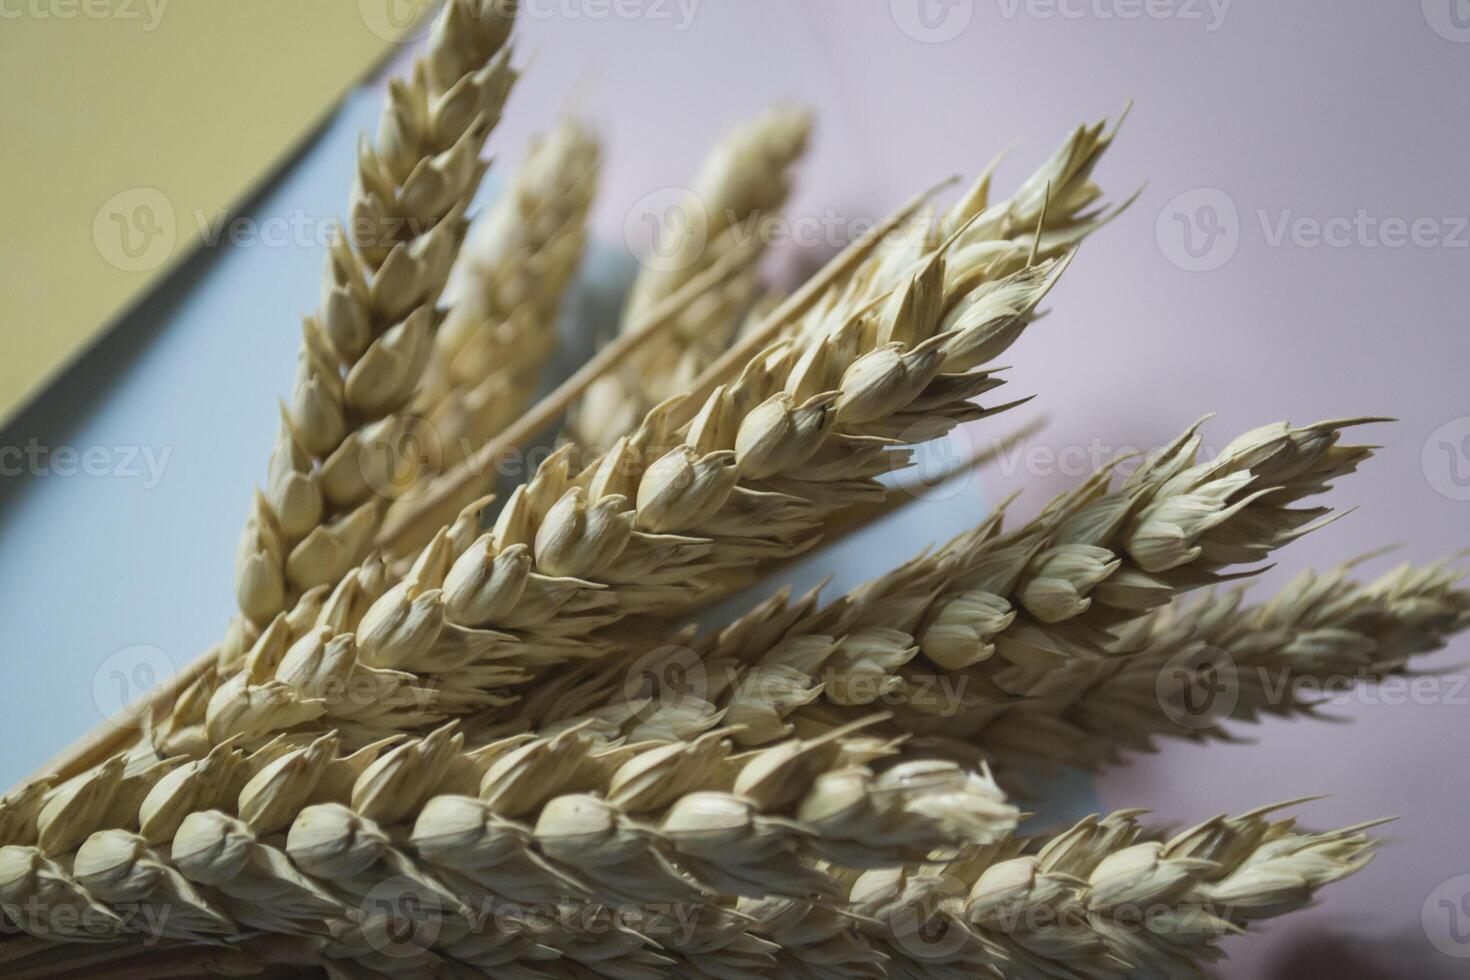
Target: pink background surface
point(1309, 108)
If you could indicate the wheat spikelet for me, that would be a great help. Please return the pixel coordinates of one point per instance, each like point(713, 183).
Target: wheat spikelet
point(367, 345)
point(502, 300)
point(740, 189)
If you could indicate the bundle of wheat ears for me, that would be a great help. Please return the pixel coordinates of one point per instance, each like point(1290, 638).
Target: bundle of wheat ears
point(425, 748)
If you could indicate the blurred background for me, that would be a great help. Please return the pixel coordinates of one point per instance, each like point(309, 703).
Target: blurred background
point(1300, 251)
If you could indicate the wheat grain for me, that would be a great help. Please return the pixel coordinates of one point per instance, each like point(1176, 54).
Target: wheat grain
point(568, 555)
point(381, 748)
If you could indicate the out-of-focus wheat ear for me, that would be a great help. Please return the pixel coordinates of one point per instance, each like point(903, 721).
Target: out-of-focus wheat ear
point(503, 300)
point(733, 203)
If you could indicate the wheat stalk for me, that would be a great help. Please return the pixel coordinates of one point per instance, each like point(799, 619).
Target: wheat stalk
point(665, 521)
point(984, 302)
point(367, 345)
point(740, 190)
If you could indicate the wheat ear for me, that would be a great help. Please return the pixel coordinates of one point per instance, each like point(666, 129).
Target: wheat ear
point(739, 192)
point(366, 347)
point(994, 615)
point(1320, 636)
point(568, 819)
point(1101, 900)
